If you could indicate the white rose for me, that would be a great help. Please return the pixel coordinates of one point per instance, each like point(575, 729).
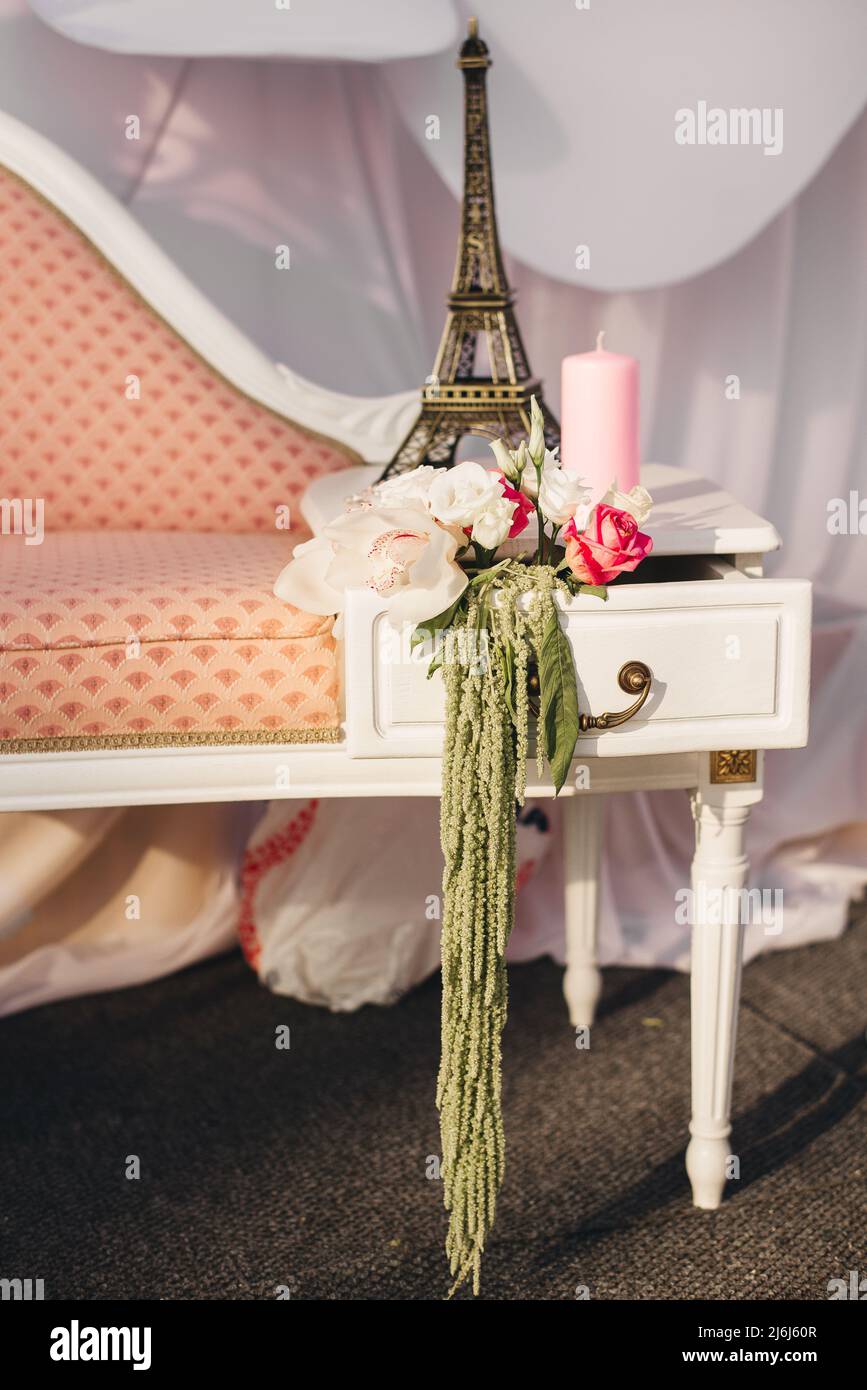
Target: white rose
point(492, 527)
point(529, 478)
point(405, 487)
point(637, 501)
point(560, 495)
point(462, 493)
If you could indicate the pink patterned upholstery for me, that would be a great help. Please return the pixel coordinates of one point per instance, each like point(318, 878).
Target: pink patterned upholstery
point(116, 628)
point(192, 454)
point(84, 588)
point(154, 636)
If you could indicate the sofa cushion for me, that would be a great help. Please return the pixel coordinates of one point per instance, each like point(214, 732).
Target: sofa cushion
point(157, 637)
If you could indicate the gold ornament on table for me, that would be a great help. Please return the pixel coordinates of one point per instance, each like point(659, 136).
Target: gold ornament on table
point(733, 765)
point(457, 402)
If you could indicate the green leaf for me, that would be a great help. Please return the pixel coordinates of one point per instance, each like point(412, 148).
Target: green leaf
point(431, 627)
point(509, 680)
point(485, 576)
point(595, 590)
point(558, 701)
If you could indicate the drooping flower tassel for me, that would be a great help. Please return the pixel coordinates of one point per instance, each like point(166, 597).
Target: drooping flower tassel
point(478, 840)
point(485, 748)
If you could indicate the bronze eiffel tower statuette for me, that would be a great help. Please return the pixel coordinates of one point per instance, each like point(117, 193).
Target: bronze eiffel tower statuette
point(456, 402)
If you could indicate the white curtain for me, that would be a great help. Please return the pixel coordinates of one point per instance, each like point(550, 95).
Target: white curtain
point(236, 157)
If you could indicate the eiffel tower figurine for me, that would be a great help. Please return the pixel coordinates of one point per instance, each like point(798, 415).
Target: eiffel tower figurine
point(456, 402)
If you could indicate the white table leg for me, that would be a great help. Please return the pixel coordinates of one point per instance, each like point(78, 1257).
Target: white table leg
point(720, 814)
point(582, 851)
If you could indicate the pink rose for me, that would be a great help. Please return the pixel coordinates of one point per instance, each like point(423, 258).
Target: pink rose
point(611, 543)
point(524, 508)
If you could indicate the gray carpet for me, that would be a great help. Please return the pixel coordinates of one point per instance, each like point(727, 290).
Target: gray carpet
point(306, 1168)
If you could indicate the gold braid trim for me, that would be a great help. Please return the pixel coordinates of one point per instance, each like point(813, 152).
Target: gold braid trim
point(82, 743)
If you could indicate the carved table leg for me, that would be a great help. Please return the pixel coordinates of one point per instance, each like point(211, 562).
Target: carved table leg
point(582, 851)
point(720, 813)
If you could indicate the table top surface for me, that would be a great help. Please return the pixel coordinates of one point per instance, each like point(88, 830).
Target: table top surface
point(691, 516)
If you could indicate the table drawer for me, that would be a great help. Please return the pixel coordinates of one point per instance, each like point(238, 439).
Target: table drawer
point(728, 656)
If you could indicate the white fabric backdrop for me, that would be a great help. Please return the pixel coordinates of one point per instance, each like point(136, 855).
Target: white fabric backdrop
point(583, 104)
point(236, 157)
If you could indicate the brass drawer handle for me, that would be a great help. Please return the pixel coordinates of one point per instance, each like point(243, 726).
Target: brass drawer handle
point(633, 677)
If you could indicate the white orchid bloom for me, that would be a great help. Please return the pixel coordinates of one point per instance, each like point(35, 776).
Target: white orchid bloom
point(399, 552)
point(561, 495)
point(462, 493)
point(304, 581)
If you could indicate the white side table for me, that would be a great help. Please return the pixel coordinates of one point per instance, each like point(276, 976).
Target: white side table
point(728, 653)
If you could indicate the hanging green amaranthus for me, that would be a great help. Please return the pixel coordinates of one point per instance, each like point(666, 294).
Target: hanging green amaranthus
point(478, 840)
point(487, 645)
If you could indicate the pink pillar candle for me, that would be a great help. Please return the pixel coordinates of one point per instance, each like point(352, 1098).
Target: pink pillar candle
point(599, 419)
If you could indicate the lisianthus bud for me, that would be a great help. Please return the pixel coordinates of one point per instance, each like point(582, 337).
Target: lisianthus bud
point(506, 460)
point(537, 433)
point(523, 462)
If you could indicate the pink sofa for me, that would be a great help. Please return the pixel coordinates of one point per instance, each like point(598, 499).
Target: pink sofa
point(145, 615)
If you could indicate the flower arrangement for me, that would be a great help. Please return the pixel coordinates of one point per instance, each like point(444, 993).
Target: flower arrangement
point(428, 541)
